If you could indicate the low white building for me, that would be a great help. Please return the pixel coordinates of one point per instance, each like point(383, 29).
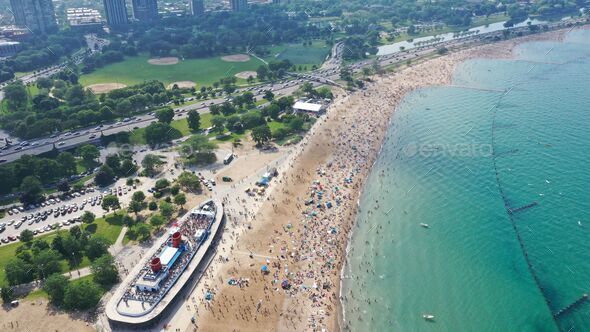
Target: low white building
point(307, 107)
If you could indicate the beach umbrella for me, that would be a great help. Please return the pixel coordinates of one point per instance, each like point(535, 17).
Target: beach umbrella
point(285, 284)
point(264, 268)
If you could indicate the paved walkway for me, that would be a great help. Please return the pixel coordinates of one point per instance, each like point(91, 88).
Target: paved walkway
point(118, 245)
point(79, 273)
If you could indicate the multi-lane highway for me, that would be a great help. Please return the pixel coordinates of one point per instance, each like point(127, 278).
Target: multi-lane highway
point(71, 139)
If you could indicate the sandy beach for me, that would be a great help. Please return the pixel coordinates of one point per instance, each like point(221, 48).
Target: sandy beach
point(302, 244)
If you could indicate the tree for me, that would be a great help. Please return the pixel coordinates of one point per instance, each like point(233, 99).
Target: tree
point(73, 247)
point(46, 263)
point(194, 120)
point(198, 149)
point(261, 134)
point(88, 217)
point(160, 132)
point(7, 294)
point(55, 287)
point(16, 95)
point(280, 133)
point(104, 176)
point(307, 88)
point(26, 236)
point(295, 124)
point(152, 206)
point(81, 295)
point(165, 115)
point(124, 107)
point(18, 271)
point(261, 72)
point(233, 122)
point(218, 123)
point(89, 153)
point(31, 190)
point(268, 95)
point(142, 231)
point(44, 83)
point(273, 111)
point(150, 163)
point(63, 186)
point(162, 184)
point(127, 167)
point(175, 189)
point(157, 220)
point(114, 162)
point(67, 162)
point(180, 199)
point(166, 209)
point(97, 246)
point(104, 271)
point(138, 196)
point(135, 207)
point(189, 181)
point(110, 202)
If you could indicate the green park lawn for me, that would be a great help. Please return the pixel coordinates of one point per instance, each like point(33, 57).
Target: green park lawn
point(137, 136)
point(134, 70)
point(109, 229)
point(299, 54)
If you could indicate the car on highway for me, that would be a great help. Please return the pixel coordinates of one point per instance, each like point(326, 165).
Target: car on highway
point(61, 143)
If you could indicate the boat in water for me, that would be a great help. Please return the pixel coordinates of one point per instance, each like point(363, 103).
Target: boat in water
point(424, 225)
point(428, 317)
point(154, 283)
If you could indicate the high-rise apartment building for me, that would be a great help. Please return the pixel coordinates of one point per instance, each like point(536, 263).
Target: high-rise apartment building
point(197, 7)
point(145, 10)
point(116, 12)
point(238, 5)
point(35, 15)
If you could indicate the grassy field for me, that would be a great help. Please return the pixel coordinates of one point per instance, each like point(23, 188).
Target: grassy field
point(136, 69)
point(299, 54)
point(137, 136)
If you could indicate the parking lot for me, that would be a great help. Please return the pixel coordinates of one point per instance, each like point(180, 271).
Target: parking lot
point(56, 212)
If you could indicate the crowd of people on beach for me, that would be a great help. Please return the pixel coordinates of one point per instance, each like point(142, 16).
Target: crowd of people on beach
point(308, 215)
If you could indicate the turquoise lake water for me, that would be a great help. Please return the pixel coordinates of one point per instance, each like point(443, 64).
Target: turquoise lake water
point(458, 160)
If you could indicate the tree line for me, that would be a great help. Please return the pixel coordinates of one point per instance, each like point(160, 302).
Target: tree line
point(38, 259)
point(222, 32)
point(40, 51)
point(65, 105)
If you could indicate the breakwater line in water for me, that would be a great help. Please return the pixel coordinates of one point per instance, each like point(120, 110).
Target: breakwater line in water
point(511, 211)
